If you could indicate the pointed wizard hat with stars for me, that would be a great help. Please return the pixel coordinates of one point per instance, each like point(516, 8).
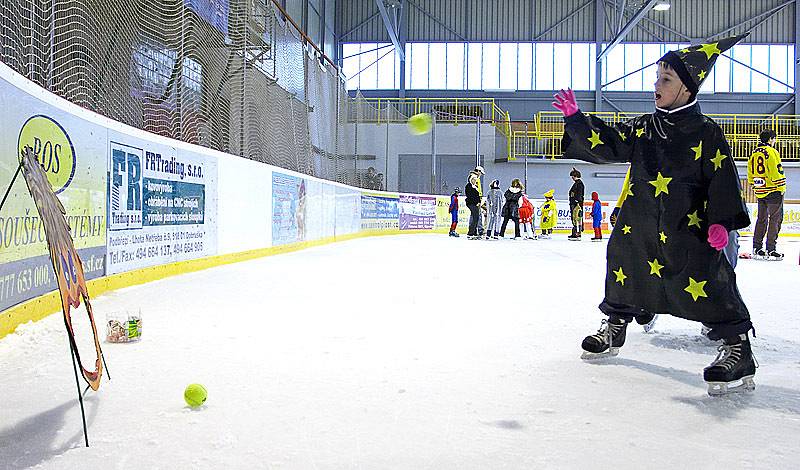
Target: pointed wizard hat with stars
point(693, 63)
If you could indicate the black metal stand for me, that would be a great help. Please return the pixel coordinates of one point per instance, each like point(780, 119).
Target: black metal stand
point(80, 395)
point(105, 366)
point(10, 185)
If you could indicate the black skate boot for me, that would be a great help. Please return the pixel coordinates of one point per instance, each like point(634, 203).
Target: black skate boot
point(775, 256)
point(733, 369)
point(759, 254)
point(611, 333)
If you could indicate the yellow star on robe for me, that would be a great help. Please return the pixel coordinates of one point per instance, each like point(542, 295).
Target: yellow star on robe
point(595, 139)
point(698, 151)
point(622, 136)
point(710, 49)
point(620, 276)
point(718, 160)
point(701, 75)
point(655, 268)
point(663, 237)
point(626, 229)
point(694, 219)
point(630, 190)
point(639, 132)
point(696, 289)
point(660, 183)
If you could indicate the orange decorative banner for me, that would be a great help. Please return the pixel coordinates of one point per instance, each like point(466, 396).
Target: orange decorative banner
point(66, 262)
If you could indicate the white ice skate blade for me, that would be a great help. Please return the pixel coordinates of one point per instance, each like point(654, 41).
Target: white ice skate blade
point(745, 384)
point(590, 356)
point(766, 258)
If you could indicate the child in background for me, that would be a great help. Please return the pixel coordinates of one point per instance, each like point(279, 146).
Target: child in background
point(526, 216)
point(597, 217)
point(548, 214)
point(511, 207)
point(453, 210)
point(494, 205)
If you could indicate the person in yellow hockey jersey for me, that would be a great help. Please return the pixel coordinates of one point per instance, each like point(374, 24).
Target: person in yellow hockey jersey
point(765, 174)
point(549, 214)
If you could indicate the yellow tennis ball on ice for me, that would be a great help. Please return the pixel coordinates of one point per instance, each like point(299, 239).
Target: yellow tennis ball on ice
point(420, 124)
point(195, 395)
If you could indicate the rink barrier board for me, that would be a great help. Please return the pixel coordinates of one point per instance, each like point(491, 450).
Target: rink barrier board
point(48, 304)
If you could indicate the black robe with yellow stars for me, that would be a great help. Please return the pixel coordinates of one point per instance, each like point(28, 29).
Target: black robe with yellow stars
point(683, 180)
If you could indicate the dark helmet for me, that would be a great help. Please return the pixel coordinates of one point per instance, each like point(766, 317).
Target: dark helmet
point(457, 191)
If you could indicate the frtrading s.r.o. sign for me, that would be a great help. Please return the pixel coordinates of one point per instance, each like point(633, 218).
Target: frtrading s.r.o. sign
point(52, 147)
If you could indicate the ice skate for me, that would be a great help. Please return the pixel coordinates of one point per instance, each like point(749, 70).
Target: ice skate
point(574, 238)
point(606, 342)
point(595, 239)
point(759, 254)
point(454, 234)
point(774, 256)
point(649, 326)
point(733, 369)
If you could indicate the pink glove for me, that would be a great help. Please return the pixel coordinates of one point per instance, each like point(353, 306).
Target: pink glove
point(717, 236)
point(565, 102)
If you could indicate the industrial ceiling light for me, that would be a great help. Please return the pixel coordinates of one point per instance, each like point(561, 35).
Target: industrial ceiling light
point(661, 5)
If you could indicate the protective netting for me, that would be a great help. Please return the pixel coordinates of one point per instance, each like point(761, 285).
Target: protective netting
point(231, 75)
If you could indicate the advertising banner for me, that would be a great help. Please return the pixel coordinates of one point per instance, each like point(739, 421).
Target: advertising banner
point(379, 211)
point(417, 212)
point(791, 219)
point(319, 210)
point(288, 209)
point(348, 210)
point(564, 221)
point(443, 217)
point(71, 151)
point(161, 204)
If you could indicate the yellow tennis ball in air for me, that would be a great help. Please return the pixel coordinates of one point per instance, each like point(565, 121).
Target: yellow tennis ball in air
point(195, 395)
point(420, 124)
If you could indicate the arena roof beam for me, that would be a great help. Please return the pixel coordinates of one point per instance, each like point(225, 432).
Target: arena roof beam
point(360, 24)
point(437, 21)
point(621, 14)
point(562, 20)
point(657, 24)
point(760, 18)
point(627, 28)
point(390, 29)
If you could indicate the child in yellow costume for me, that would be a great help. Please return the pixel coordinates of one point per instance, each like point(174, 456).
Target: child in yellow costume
point(549, 214)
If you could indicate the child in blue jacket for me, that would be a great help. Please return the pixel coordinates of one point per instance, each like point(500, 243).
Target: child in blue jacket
point(597, 217)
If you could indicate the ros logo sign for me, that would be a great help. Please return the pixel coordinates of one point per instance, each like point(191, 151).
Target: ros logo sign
point(52, 148)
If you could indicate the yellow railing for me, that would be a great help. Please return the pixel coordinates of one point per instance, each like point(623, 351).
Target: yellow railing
point(741, 130)
point(452, 110)
point(447, 110)
point(542, 136)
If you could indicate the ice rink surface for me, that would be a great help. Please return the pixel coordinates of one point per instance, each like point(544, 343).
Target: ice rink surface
point(404, 352)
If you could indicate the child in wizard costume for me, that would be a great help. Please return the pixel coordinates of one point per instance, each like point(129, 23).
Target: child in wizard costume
point(683, 199)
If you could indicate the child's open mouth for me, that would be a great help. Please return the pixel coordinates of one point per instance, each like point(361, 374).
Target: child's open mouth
point(657, 95)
